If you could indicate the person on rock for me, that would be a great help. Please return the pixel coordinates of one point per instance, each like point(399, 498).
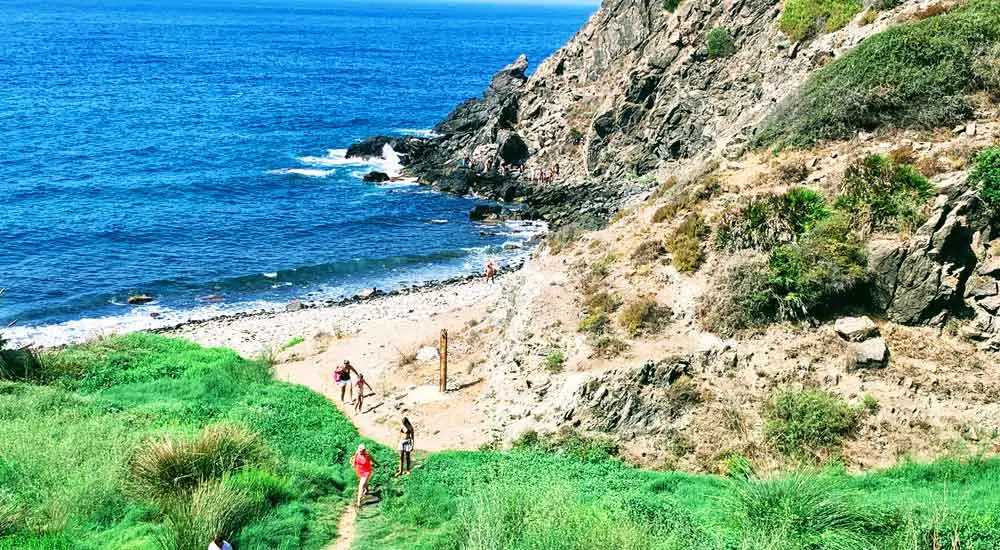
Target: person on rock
point(363, 462)
point(359, 402)
point(490, 272)
point(406, 442)
point(342, 376)
point(219, 543)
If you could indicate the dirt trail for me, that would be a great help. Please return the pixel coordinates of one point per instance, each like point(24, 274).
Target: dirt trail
point(345, 530)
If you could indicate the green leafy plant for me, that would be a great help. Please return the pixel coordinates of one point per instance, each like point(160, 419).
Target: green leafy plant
point(879, 194)
point(767, 221)
point(671, 5)
point(595, 323)
point(916, 75)
point(803, 19)
point(986, 175)
point(555, 361)
point(801, 423)
point(293, 342)
point(720, 43)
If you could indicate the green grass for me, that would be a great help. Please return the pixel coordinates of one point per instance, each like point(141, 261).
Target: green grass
point(986, 176)
point(293, 342)
point(803, 19)
point(529, 499)
point(917, 75)
point(881, 194)
point(69, 447)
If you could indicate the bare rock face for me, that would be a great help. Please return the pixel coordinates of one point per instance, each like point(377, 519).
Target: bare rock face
point(917, 281)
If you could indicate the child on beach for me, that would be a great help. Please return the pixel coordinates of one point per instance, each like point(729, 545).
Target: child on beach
point(361, 392)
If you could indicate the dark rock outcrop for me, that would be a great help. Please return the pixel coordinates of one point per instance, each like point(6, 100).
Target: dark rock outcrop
point(376, 177)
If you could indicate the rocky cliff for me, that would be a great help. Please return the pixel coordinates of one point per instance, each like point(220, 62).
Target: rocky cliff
point(635, 93)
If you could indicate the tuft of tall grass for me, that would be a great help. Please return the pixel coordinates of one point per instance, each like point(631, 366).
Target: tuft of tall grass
point(170, 465)
point(192, 519)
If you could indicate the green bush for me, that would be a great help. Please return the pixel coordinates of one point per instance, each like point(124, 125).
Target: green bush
point(169, 465)
point(720, 43)
point(986, 176)
point(555, 361)
point(10, 514)
point(818, 276)
point(595, 323)
point(879, 194)
point(803, 512)
point(764, 222)
point(802, 423)
point(671, 5)
point(802, 19)
point(916, 75)
point(685, 244)
point(643, 316)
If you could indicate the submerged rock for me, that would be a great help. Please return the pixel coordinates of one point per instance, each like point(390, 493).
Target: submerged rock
point(139, 299)
point(376, 177)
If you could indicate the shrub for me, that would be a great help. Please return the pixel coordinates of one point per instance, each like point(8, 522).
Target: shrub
point(293, 342)
point(801, 423)
point(609, 347)
point(169, 465)
point(602, 302)
point(595, 323)
point(648, 251)
point(792, 172)
point(685, 245)
point(19, 364)
point(720, 43)
point(817, 276)
point(802, 512)
point(802, 19)
point(879, 194)
point(643, 316)
point(765, 222)
point(986, 175)
point(663, 189)
point(671, 5)
point(555, 361)
point(917, 75)
point(574, 137)
point(191, 520)
point(574, 443)
point(406, 357)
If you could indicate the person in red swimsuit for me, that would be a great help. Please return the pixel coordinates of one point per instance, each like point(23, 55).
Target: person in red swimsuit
point(362, 462)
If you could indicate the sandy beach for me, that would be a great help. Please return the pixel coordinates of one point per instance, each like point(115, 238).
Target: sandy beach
point(393, 341)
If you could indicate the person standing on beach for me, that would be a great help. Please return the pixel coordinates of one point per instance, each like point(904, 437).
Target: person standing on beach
point(342, 376)
point(359, 402)
point(491, 272)
point(406, 442)
point(362, 462)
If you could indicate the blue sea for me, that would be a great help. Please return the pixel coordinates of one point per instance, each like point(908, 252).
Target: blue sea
point(185, 148)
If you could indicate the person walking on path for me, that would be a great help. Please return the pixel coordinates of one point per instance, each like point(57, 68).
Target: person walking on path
point(359, 402)
point(362, 463)
point(406, 442)
point(342, 376)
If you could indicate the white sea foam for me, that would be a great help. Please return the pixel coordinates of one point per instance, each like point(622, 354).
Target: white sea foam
point(437, 221)
point(418, 132)
point(308, 172)
point(389, 163)
point(135, 319)
point(271, 275)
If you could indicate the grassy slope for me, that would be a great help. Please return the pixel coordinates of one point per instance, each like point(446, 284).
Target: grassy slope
point(526, 500)
point(65, 445)
point(916, 75)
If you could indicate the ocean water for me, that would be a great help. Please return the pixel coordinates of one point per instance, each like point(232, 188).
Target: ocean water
point(186, 148)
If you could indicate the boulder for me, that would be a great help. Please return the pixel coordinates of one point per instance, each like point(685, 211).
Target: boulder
point(427, 354)
point(139, 299)
point(870, 354)
point(376, 177)
point(856, 329)
point(485, 212)
point(294, 306)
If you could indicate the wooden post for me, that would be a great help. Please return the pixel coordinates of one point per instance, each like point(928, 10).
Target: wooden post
point(443, 354)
